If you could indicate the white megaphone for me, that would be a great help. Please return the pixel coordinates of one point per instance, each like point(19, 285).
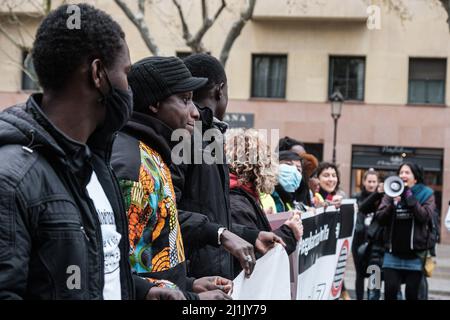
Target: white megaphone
point(393, 186)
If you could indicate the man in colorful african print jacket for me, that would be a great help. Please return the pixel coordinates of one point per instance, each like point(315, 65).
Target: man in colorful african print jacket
point(141, 158)
point(154, 232)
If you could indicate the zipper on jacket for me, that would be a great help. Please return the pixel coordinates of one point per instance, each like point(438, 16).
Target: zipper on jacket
point(71, 226)
point(67, 225)
point(98, 235)
point(412, 234)
point(85, 234)
point(71, 182)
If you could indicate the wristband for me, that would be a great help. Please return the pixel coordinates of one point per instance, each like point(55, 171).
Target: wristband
point(219, 234)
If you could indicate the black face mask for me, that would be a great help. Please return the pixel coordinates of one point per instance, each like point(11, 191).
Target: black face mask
point(119, 106)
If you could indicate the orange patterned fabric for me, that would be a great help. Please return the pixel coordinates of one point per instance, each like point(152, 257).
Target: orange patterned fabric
point(154, 230)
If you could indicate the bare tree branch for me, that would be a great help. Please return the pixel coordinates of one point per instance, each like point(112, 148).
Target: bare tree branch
point(219, 11)
point(10, 38)
point(14, 19)
point(11, 58)
point(204, 10)
point(141, 6)
point(236, 30)
point(141, 25)
point(18, 41)
point(24, 70)
point(401, 7)
point(48, 6)
point(186, 34)
point(446, 5)
point(195, 42)
point(19, 64)
point(207, 24)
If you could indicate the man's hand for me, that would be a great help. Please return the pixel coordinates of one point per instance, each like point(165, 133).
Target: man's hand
point(240, 249)
point(156, 293)
point(295, 223)
point(266, 241)
point(212, 283)
point(214, 295)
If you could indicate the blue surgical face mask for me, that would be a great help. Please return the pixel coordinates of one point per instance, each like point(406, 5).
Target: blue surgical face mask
point(289, 177)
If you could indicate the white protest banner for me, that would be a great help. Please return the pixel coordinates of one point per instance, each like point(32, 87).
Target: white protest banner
point(269, 280)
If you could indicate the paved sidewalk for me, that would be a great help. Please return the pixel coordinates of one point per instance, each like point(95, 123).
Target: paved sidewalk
point(438, 284)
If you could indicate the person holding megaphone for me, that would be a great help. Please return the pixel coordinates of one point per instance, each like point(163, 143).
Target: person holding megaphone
point(406, 211)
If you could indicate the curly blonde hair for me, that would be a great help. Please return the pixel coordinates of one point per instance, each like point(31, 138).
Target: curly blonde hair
point(250, 158)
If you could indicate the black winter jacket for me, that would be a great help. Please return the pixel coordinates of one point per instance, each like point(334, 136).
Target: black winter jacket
point(368, 203)
point(245, 210)
point(49, 225)
point(408, 225)
point(204, 189)
point(371, 236)
point(302, 194)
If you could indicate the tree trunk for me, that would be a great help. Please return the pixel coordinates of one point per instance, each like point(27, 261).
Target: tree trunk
point(235, 31)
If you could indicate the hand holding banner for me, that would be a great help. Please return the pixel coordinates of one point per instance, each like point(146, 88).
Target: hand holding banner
point(269, 280)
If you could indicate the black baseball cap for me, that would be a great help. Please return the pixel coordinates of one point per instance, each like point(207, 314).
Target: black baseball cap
point(154, 79)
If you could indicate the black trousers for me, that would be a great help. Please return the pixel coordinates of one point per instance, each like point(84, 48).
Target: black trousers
point(359, 281)
point(361, 273)
point(393, 278)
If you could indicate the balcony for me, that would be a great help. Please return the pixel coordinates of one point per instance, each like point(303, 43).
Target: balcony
point(303, 10)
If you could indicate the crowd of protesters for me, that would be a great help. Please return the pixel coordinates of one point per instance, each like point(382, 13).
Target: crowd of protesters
point(88, 183)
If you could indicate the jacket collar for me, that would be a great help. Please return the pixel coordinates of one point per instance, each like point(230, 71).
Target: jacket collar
point(285, 196)
point(206, 116)
point(77, 156)
point(325, 195)
point(221, 125)
point(72, 149)
point(248, 187)
point(153, 132)
point(209, 121)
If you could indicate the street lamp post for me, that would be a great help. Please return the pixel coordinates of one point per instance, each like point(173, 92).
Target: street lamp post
point(336, 108)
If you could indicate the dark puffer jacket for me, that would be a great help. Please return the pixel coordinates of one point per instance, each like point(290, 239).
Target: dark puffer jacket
point(48, 222)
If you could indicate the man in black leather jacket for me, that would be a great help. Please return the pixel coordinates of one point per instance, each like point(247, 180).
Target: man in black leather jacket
point(58, 194)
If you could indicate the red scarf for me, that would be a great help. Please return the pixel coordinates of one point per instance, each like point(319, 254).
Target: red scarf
point(248, 187)
point(326, 196)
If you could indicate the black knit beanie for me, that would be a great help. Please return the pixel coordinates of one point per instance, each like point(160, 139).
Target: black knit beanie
point(289, 155)
point(154, 79)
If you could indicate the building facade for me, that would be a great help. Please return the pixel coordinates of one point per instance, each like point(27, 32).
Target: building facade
point(292, 56)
